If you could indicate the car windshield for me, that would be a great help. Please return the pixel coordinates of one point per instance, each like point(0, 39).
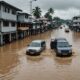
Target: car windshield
point(63, 44)
point(34, 44)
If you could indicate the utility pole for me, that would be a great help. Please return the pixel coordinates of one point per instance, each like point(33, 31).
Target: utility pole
point(31, 1)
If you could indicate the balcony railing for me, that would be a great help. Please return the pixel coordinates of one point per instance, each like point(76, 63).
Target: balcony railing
point(8, 16)
point(76, 20)
point(8, 29)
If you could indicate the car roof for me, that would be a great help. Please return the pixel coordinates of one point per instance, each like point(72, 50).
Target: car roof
point(38, 41)
point(61, 40)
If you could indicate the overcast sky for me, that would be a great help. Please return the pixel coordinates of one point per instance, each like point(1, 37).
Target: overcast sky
point(65, 9)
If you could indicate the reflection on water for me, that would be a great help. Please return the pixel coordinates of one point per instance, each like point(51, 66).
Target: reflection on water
point(8, 61)
point(34, 59)
point(63, 61)
point(16, 65)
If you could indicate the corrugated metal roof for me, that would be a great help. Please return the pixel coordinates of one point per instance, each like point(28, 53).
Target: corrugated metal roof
point(5, 3)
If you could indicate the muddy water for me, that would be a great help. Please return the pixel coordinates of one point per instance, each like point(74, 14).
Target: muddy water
point(16, 65)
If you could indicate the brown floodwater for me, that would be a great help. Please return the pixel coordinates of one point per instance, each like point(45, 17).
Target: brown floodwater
point(16, 65)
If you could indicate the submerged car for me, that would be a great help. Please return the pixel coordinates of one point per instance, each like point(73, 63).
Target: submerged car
point(61, 46)
point(36, 47)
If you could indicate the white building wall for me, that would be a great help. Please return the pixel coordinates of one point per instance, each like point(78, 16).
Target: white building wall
point(8, 28)
point(8, 16)
point(22, 18)
point(76, 22)
point(27, 20)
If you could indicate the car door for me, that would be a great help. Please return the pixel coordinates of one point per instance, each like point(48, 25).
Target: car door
point(55, 44)
point(43, 45)
point(52, 44)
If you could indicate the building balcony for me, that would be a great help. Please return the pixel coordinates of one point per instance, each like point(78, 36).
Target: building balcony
point(8, 29)
point(24, 20)
point(76, 25)
point(76, 20)
point(23, 28)
point(27, 20)
point(8, 16)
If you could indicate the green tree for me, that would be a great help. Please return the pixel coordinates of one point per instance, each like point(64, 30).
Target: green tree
point(56, 19)
point(37, 12)
point(49, 14)
point(51, 11)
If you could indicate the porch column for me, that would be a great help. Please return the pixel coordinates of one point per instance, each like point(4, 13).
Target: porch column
point(10, 37)
point(16, 35)
point(1, 41)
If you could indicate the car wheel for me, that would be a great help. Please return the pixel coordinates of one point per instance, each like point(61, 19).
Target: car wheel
point(27, 53)
point(57, 54)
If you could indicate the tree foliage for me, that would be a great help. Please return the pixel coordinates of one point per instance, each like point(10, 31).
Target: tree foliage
point(51, 11)
point(37, 12)
point(49, 14)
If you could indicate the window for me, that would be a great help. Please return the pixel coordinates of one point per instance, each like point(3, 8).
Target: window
point(6, 23)
point(75, 22)
point(43, 44)
point(13, 24)
point(26, 16)
point(63, 44)
point(35, 44)
point(13, 12)
point(6, 9)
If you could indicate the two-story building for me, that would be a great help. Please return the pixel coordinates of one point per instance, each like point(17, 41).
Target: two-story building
point(8, 22)
point(36, 28)
point(24, 24)
point(76, 23)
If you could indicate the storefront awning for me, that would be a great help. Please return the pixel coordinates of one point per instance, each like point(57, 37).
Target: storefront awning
point(23, 28)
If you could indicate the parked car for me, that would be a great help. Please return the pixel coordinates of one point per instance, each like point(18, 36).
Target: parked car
point(66, 29)
point(36, 47)
point(61, 46)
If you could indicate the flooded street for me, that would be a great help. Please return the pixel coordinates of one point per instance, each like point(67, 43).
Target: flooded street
point(16, 65)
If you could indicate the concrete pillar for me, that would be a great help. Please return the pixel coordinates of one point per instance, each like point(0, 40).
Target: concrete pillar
point(1, 40)
point(16, 35)
point(10, 37)
point(28, 32)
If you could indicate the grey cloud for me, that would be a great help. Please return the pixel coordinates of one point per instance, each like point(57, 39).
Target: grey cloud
point(59, 5)
point(45, 4)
